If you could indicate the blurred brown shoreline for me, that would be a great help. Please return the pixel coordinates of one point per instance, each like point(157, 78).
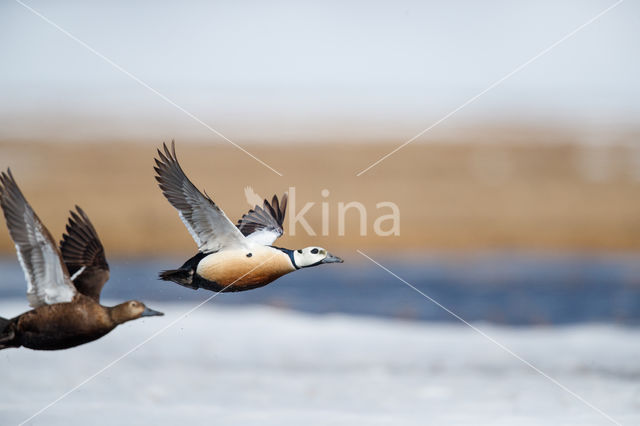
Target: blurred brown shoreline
point(452, 196)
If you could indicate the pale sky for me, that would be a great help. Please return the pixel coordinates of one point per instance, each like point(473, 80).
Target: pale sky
point(291, 70)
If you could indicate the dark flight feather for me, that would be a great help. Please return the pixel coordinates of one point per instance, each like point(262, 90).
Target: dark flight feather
point(81, 248)
point(268, 218)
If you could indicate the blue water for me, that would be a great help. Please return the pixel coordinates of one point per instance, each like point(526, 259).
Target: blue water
point(517, 289)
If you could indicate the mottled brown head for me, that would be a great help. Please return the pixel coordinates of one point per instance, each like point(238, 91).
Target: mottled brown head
point(131, 310)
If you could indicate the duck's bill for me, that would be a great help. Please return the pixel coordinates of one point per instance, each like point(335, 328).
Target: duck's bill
point(151, 313)
point(332, 259)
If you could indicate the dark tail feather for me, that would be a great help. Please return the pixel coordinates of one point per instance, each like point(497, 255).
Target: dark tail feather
point(3, 323)
point(179, 276)
point(6, 335)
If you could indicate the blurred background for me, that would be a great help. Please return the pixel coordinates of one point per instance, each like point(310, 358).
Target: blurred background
point(521, 209)
point(545, 166)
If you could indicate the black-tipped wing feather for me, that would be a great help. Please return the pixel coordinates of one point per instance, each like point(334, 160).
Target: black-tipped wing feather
point(264, 224)
point(206, 222)
point(84, 256)
point(48, 281)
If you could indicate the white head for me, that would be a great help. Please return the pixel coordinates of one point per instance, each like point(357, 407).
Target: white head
point(312, 256)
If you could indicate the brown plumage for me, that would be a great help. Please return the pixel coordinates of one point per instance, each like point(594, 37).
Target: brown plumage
point(66, 310)
point(65, 325)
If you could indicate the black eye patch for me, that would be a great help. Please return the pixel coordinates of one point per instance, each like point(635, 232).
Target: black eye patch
point(300, 251)
point(314, 251)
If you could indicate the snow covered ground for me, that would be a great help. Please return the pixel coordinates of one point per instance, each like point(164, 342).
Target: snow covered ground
point(259, 365)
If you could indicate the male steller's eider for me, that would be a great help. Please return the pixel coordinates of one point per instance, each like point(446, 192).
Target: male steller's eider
point(63, 284)
point(230, 257)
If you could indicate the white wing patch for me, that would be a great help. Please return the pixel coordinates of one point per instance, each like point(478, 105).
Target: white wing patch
point(47, 278)
point(47, 282)
point(192, 231)
point(265, 237)
point(78, 273)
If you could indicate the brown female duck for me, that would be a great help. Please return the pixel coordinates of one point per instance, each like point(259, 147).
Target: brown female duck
point(63, 284)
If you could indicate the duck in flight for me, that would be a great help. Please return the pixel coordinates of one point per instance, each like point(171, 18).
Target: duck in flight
point(230, 257)
point(63, 284)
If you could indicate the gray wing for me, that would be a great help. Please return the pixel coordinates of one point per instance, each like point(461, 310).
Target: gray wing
point(84, 256)
point(48, 281)
point(264, 225)
point(208, 225)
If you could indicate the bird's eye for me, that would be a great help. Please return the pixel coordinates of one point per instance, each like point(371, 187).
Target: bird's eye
point(314, 251)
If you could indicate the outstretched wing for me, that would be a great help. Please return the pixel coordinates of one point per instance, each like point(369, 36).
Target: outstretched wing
point(206, 222)
point(263, 225)
point(48, 281)
point(84, 256)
